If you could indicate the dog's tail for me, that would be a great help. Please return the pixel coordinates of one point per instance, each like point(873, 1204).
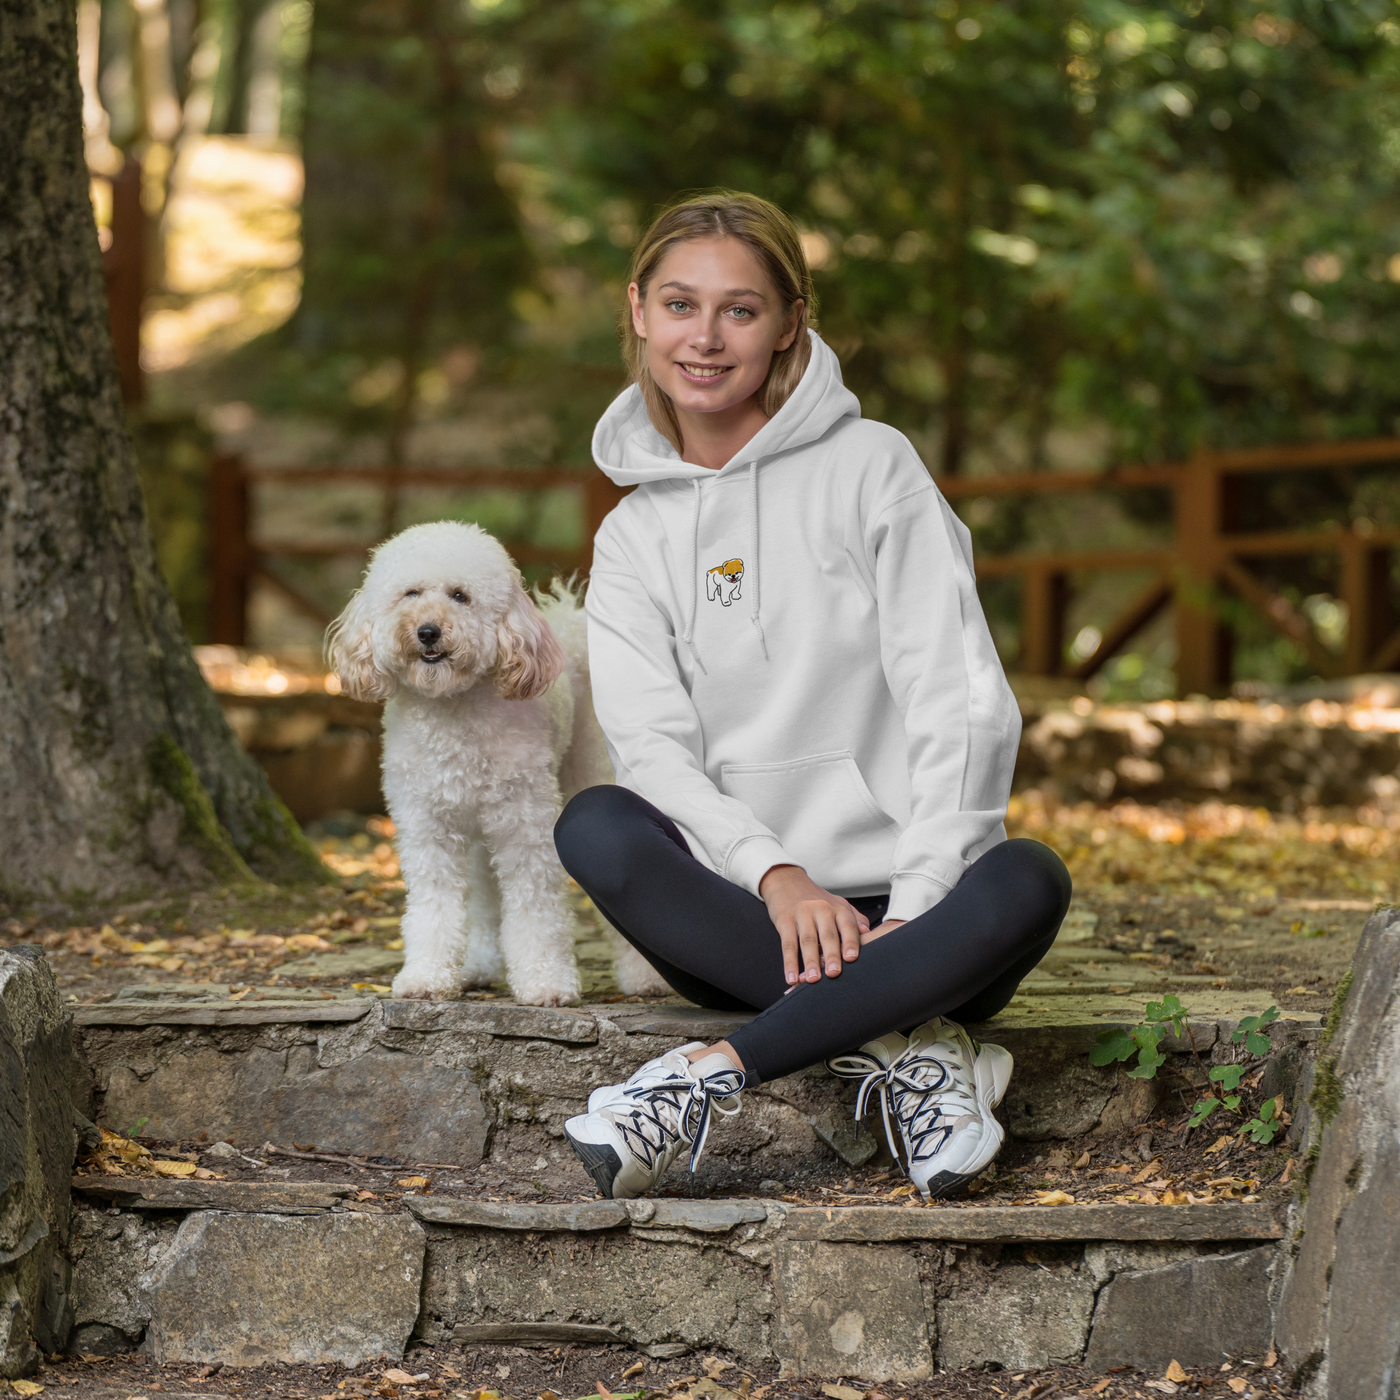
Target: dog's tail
point(585, 762)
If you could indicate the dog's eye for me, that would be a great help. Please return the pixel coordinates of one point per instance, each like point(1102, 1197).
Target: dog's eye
point(459, 597)
point(412, 593)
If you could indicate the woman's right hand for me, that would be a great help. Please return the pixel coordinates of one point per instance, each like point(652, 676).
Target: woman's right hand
point(821, 928)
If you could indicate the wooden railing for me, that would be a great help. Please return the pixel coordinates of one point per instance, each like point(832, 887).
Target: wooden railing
point(1208, 558)
point(237, 560)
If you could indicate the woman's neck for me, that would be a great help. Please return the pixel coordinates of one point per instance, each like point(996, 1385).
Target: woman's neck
point(714, 439)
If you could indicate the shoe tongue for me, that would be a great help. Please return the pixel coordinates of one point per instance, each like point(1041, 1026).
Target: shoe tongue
point(887, 1049)
point(712, 1064)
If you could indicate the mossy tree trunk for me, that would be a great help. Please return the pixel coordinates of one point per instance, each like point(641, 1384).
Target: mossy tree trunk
point(118, 772)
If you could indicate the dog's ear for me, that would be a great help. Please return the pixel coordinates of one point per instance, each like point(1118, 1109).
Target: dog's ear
point(529, 658)
point(350, 652)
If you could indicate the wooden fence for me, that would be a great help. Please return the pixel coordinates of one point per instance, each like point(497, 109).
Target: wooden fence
point(1207, 560)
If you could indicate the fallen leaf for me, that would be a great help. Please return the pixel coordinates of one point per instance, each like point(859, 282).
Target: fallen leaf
point(1165, 1387)
point(238, 996)
point(635, 1370)
point(759, 1391)
point(1219, 1145)
point(1283, 1181)
point(25, 1387)
point(602, 1390)
point(412, 1183)
point(1271, 1358)
point(714, 1367)
point(1175, 1198)
point(204, 1174)
point(842, 1392)
point(1150, 1170)
point(1082, 1160)
point(503, 1372)
point(397, 1377)
point(547, 1395)
point(1238, 1384)
point(1101, 1387)
point(174, 1168)
point(1175, 1373)
point(1053, 1198)
point(906, 1190)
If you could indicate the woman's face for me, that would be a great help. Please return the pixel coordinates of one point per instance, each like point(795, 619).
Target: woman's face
point(712, 321)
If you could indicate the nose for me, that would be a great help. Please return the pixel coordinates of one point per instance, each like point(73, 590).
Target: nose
point(429, 633)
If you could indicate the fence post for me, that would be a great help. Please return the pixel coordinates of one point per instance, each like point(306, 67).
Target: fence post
point(230, 556)
point(1044, 603)
point(124, 267)
point(1203, 642)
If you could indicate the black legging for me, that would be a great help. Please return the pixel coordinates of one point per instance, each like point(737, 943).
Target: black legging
point(715, 944)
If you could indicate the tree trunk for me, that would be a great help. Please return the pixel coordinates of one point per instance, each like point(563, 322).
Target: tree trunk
point(118, 772)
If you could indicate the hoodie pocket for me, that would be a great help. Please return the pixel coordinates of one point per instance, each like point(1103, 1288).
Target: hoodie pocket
point(823, 812)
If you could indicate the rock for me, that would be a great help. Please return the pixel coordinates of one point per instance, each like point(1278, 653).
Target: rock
point(222, 1149)
point(273, 1197)
point(493, 1018)
point(1339, 1330)
point(1021, 1317)
point(37, 1143)
point(1199, 1312)
point(214, 1013)
point(852, 1142)
point(535, 1334)
point(706, 1217)
point(373, 1104)
point(1222, 1220)
point(1064, 1098)
point(243, 1290)
point(850, 1310)
point(510, 1215)
point(112, 1258)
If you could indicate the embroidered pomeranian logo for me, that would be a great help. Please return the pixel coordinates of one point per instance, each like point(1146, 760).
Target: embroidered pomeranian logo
point(724, 581)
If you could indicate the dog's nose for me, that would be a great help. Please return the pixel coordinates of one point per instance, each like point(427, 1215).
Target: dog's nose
point(429, 633)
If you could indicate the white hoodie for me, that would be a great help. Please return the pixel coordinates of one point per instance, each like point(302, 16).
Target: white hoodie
point(789, 657)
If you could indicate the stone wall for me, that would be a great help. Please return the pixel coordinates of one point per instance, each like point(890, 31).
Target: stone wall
point(36, 1158)
point(1339, 1320)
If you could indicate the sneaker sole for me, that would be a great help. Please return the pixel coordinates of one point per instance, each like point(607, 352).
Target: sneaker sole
point(599, 1160)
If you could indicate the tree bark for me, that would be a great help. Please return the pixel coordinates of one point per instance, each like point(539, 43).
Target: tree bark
point(118, 772)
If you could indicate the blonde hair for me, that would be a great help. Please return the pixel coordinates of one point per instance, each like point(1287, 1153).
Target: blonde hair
point(770, 236)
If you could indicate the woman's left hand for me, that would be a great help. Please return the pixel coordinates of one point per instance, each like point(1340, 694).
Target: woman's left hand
point(880, 930)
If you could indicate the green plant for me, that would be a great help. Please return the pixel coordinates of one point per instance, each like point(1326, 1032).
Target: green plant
point(137, 1126)
point(1119, 1045)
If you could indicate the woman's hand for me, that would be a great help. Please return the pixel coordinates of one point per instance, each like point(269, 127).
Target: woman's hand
point(880, 930)
point(824, 928)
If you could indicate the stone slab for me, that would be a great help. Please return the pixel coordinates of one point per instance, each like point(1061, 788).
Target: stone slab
point(380, 1103)
point(535, 1334)
point(510, 1215)
point(1200, 1312)
point(139, 1193)
point(213, 1013)
point(1219, 1221)
point(502, 1019)
point(1023, 1318)
point(244, 1290)
point(705, 1217)
point(848, 1310)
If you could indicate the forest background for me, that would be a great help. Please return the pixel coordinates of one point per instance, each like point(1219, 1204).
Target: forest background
point(1046, 236)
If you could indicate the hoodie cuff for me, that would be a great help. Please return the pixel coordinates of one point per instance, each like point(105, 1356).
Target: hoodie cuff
point(912, 895)
point(751, 858)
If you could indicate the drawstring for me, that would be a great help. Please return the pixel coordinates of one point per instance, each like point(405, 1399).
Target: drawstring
point(688, 637)
point(757, 576)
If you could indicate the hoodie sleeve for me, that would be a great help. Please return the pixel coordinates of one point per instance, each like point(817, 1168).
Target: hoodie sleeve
point(960, 718)
point(652, 729)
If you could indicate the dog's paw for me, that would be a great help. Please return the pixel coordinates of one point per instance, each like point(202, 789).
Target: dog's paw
point(427, 983)
point(562, 990)
point(636, 977)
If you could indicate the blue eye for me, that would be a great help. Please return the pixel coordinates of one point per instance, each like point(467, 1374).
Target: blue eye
point(678, 306)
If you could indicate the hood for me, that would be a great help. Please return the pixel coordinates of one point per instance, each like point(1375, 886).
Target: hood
point(630, 450)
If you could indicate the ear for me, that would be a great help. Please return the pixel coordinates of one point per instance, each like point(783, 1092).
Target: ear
point(634, 299)
point(350, 652)
point(529, 658)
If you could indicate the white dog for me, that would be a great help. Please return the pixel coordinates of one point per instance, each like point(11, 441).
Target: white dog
point(488, 719)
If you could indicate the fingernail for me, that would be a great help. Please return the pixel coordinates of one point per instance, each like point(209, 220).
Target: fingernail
point(792, 977)
point(832, 969)
point(849, 955)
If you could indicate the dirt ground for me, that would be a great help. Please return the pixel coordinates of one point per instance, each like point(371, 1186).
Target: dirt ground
point(1167, 899)
point(612, 1373)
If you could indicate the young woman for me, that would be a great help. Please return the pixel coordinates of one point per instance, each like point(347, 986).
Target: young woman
point(812, 735)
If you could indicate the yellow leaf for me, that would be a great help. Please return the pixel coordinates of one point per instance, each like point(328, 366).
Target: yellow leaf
point(907, 1190)
point(634, 1370)
point(395, 945)
point(175, 1168)
point(238, 996)
point(25, 1387)
point(1082, 1160)
point(1102, 1386)
point(1238, 1384)
point(1053, 1198)
point(1271, 1358)
point(1175, 1373)
point(1219, 1145)
point(1150, 1170)
point(412, 1183)
point(1175, 1198)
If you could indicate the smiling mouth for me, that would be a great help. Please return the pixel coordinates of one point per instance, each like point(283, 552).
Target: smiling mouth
point(705, 374)
point(431, 658)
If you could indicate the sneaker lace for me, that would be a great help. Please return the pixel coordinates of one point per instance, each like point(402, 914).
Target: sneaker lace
point(676, 1107)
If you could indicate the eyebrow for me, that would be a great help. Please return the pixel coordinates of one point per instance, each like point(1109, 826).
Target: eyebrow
point(733, 291)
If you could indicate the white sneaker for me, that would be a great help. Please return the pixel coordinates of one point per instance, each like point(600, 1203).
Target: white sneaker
point(628, 1142)
point(940, 1088)
point(608, 1092)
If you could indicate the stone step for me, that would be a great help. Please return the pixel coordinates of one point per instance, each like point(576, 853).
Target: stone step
point(464, 1082)
point(222, 1272)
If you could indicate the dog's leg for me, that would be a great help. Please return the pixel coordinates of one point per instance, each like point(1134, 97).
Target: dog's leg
point(636, 977)
point(435, 912)
point(537, 928)
point(483, 964)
